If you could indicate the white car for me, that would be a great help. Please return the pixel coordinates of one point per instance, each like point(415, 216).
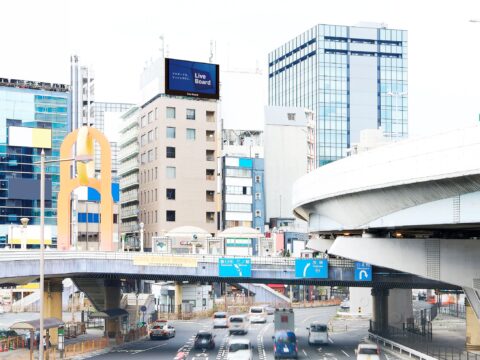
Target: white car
point(220, 320)
point(368, 352)
point(258, 314)
point(345, 304)
point(237, 324)
point(317, 333)
point(161, 330)
point(240, 349)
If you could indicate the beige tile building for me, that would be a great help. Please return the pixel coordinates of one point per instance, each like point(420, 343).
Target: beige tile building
point(178, 165)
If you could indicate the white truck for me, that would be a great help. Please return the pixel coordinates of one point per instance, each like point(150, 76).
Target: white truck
point(284, 319)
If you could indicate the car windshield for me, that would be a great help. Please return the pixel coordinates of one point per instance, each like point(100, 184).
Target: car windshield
point(236, 346)
point(318, 328)
point(256, 311)
point(236, 320)
point(219, 316)
point(285, 338)
point(204, 336)
point(368, 351)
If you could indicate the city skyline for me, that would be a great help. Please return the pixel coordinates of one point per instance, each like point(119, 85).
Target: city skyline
point(118, 40)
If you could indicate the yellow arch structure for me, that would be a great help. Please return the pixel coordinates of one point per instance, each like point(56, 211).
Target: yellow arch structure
point(68, 184)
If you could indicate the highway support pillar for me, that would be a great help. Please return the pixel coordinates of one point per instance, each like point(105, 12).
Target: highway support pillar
point(112, 301)
point(52, 304)
point(380, 310)
point(178, 297)
point(473, 328)
point(400, 307)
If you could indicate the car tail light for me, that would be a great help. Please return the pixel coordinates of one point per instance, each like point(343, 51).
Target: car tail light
point(274, 347)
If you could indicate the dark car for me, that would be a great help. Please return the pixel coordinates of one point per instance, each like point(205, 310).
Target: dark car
point(204, 340)
point(285, 345)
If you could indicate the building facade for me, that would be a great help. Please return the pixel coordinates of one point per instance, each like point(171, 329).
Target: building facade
point(82, 86)
point(107, 120)
point(289, 154)
point(129, 175)
point(178, 165)
point(242, 149)
point(33, 116)
point(352, 77)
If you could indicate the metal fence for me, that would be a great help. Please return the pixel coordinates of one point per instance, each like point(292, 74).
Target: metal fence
point(457, 310)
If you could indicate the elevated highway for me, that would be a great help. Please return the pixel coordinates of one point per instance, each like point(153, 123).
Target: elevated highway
point(411, 206)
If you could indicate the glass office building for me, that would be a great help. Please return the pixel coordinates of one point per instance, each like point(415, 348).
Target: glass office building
point(352, 77)
point(33, 116)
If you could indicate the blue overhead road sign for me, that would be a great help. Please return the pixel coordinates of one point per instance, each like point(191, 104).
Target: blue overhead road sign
point(234, 267)
point(363, 271)
point(311, 268)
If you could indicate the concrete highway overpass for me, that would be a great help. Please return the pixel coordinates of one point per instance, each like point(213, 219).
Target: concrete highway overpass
point(411, 206)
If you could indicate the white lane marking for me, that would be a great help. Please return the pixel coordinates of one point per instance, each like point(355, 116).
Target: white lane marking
point(262, 355)
point(304, 352)
point(386, 356)
point(153, 347)
point(347, 354)
point(330, 339)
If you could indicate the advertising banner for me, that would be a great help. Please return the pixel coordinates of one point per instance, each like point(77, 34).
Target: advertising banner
point(188, 78)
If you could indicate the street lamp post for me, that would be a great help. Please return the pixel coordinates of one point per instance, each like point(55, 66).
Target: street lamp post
point(81, 158)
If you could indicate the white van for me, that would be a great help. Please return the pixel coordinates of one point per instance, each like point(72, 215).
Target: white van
point(237, 324)
point(317, 333)
point(258, 314)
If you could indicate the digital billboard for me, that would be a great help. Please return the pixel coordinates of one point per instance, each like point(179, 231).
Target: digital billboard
point(29, 137)
point(189, 78)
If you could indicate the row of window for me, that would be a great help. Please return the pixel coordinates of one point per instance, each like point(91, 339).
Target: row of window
point(171, 113)
point(148, 196)
point(151, 217)
point(150, 155)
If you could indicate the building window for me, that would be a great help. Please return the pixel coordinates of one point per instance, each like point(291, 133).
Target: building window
point(170, 215)
point(144, 158)
point(210, 196)
point(171, 194)
point(150, 155)
point(156, 113)
point(258, 213)
point(190, 114)
point(171, 172)
point(291, 116)
point(143, 139)
point(238, 190)
point(210, 217)
point(237, 172)
point(170, 133)
point(210, 135)
point(210, 155)
point(238, 207)
point(190, 134)
point(171, 113)
point(156, 195)
point(170, 152)
point(143, 121)
point(150, 117)
point(156, 133)
point(150, 136)
point(210, 116)
point(210, 174)
point(156, 216)
point(156, 173)
point(258, 196)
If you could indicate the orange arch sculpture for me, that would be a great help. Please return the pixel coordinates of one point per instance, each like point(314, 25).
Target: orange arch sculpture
point(68, 184)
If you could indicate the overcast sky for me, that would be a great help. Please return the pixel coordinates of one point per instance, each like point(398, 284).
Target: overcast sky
point(118, 37)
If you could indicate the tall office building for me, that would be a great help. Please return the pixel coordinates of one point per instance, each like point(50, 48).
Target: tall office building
point(352, 77)
point(82, 86)
point(128, 172)
point(33, 116)
point(107, 119)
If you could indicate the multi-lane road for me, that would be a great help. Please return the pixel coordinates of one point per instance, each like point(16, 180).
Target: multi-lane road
point(343, 342)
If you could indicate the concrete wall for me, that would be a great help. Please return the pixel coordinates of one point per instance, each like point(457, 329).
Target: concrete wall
point(400, 307)
point(361, 300)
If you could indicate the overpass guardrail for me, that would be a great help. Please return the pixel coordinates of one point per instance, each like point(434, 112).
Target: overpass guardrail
point(12, 254)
